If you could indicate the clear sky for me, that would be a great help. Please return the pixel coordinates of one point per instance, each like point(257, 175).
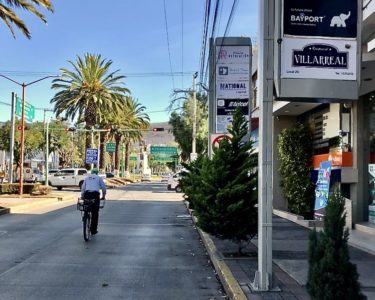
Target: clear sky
point(131, 33)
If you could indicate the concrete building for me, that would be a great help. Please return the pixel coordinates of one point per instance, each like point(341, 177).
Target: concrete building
point(351, 121)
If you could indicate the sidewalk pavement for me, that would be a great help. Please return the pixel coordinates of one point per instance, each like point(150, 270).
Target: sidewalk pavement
point(16, 204)
point(290, 266)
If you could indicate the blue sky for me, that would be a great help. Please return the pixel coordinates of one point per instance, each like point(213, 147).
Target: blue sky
point(131, 33)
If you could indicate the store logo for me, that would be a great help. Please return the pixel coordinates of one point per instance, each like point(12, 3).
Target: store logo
point(238, 104)
point(222, 54)
point(223, 70)
point(232, 86)
point(340, 20)
point(320, 56)
point(307, 19)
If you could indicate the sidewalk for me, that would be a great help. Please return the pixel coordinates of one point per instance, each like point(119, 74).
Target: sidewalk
point(15, 204)
point(290, 266)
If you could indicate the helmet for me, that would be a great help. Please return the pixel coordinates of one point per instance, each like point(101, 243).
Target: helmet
point(94, 171)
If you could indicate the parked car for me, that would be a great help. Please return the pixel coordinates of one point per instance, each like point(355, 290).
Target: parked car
point(164, 177)
point(174, 182)
point(52, 172)
point(33, 175)
point(146, 177)
point(70, 177)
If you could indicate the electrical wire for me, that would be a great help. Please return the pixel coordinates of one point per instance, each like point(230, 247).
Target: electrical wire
point(169, 50)
point(182, 40)
point(204, 40)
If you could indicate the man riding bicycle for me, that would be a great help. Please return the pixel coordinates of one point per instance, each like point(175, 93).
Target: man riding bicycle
point(91, 190)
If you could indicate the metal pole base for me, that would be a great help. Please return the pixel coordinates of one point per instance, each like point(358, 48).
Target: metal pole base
point(255, 285)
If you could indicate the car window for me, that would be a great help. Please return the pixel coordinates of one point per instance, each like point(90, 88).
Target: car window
point(82, 172)
point(66, 172)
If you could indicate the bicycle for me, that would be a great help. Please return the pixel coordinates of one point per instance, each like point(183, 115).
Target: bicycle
point(84, 206)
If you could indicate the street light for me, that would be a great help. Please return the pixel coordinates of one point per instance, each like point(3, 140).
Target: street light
point(24, 85)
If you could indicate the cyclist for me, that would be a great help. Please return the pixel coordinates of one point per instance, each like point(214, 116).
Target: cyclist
point(91, 190)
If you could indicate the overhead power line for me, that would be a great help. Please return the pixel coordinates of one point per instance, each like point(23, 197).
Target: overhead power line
point(169, 49)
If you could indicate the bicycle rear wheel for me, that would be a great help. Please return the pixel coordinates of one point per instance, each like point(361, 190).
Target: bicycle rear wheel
point(86, 226)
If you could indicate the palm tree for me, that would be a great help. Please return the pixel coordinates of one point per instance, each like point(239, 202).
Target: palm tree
point(10, 18)
point(89, 92)
point(128, 128)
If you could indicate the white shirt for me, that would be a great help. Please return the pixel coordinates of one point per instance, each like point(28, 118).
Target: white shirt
point(93, 183)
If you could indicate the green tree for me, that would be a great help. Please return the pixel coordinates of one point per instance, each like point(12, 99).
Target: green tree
point(331, 275)
point(127, 128)
point(226, 197)
point(10, 18)
point(89, 91)
point(295, 152)
point(34, 139)
point(182, 126)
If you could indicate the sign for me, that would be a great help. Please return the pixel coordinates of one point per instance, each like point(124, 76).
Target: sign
point(217, 138)
point(91, 156)
point(163, 150)
point(320, 18)
point(322, 189)
point(232, 84)
point(29, 110)
point(110, 147)
point(319, 59)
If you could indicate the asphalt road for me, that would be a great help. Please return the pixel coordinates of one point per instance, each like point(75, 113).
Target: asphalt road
point(147, 248)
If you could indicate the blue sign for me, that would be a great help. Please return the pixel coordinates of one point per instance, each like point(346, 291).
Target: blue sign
point(322, 189)
point(91, 156)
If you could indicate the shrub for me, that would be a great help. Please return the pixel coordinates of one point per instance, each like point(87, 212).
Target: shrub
point(13, 188)
point(331, 275)
point(224, 190)
point(295, 151)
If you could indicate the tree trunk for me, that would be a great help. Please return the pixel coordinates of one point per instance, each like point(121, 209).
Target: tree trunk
point(117, 153)
point(127, 146)
point(103, 139)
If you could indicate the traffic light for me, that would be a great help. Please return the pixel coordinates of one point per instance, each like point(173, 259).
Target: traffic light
point(20, 127)
point(158, 129)
point(70, 129)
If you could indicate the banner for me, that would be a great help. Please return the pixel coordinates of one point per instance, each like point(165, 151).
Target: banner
point(322, 189)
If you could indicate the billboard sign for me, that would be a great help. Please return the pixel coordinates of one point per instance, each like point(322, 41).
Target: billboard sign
point(322, 189)
point(232, 83)
point(321, 18)
point(319, 59)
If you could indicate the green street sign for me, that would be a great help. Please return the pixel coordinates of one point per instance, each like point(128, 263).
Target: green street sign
point(110, 147)
point(29, 110)
point(163, 150)
point(133, 158)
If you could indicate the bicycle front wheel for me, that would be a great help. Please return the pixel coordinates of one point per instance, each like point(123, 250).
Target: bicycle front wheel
point(86, 226)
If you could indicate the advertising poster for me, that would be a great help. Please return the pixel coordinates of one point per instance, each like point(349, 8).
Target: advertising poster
point(319, 59)
point(322, 189)
point(321, 18)
point(232, 84)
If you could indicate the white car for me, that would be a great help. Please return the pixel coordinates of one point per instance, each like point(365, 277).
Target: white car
point(174, 182)
point(71, 177)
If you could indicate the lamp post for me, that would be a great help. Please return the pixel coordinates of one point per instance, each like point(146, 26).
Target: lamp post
point(23, 85)
point(47, 151)
point(193, 154)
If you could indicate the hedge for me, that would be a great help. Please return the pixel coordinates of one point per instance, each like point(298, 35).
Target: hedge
point(13, 188)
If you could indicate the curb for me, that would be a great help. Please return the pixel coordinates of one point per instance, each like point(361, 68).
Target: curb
point(230, 284)
point(4, 211)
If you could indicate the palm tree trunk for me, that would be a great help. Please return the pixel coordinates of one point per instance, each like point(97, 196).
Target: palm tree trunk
point(103, 139)
point(127, 146)
point(117, 153)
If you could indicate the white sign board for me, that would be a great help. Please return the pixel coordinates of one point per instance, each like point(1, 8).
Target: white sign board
point(319, 59)
point(232, 83)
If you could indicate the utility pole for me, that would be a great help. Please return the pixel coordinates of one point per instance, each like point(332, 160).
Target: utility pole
point(263, 277)
point(193, 154)
point(11, 150)
point(47, 151)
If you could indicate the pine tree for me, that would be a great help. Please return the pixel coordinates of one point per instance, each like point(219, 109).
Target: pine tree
point(225, 202)
point(331, 274)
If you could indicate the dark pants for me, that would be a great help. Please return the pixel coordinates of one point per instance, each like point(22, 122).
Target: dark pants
point(94, 208)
